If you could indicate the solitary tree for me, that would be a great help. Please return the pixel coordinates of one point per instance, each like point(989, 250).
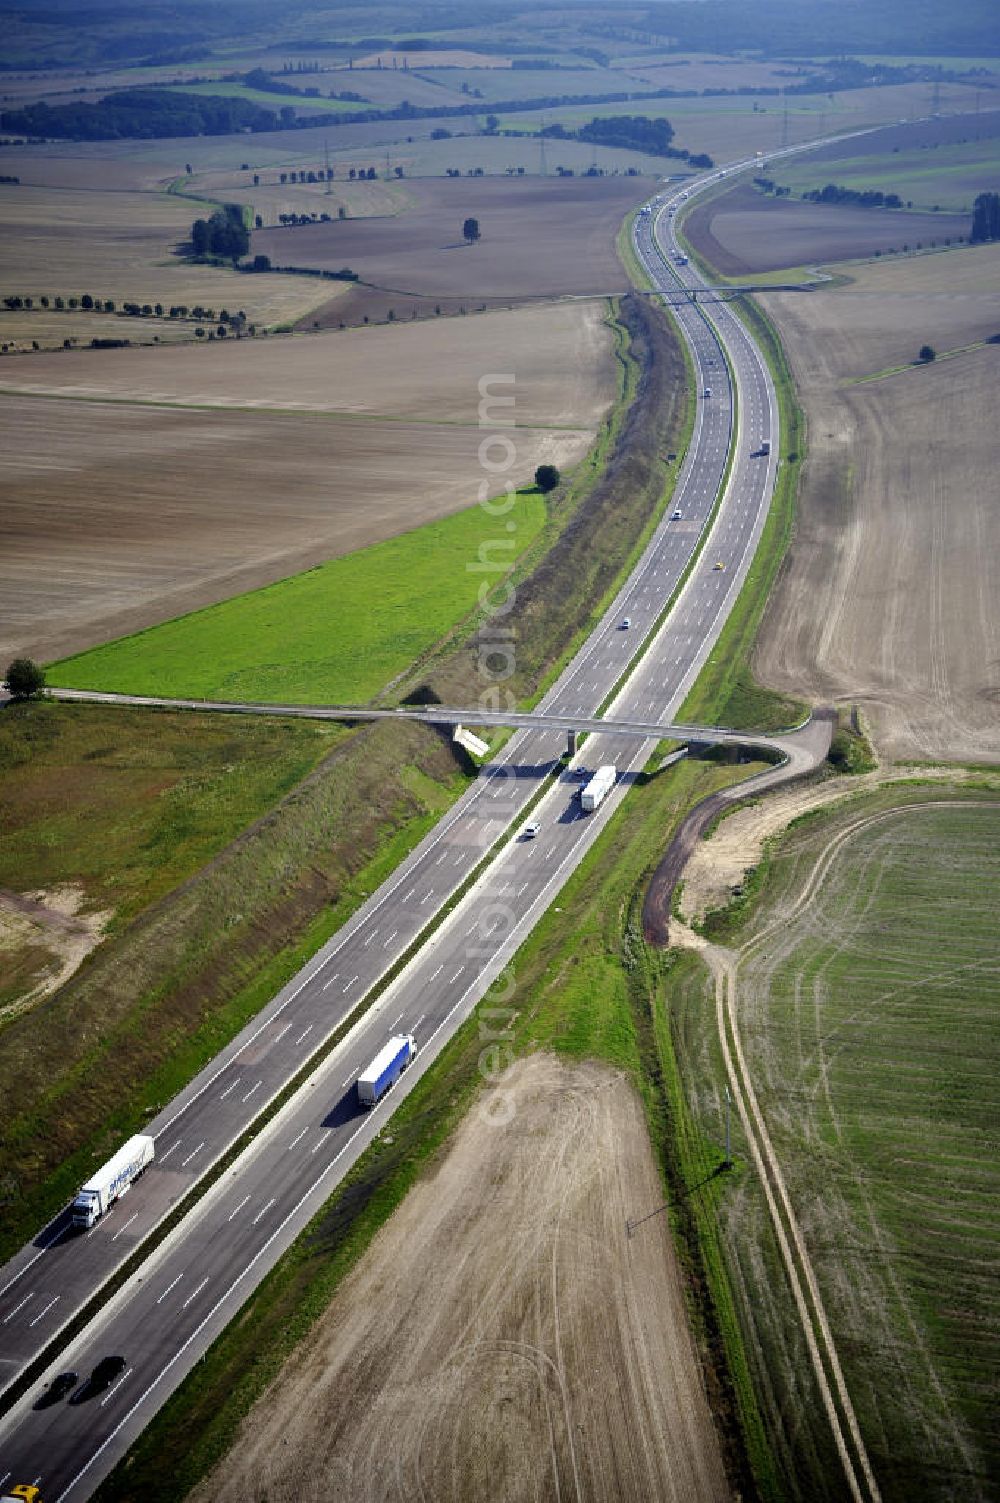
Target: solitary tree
point(547, 477)
point(24, 678)
point(470, 230)
point(927, 353)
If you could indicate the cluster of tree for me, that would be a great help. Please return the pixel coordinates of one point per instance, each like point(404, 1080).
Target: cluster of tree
point(629, 133)
point(7, 179)
point(293, 219)
point(141, 114)
point(24, 679)
point(224, 235)
point(985, 218)
point(768, 185)
point(867, 198)
point(306, 175)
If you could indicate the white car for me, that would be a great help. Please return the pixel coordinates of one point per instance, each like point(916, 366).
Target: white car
point(531, 830)
point(675, 516)
point(626, 623)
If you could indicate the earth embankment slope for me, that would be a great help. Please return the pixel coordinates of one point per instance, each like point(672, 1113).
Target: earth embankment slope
point(503, 1337)
point(888, 598)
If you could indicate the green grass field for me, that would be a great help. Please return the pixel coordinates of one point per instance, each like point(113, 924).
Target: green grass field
point(868, 1021)
point(125, 806)
point(948, 176)
point(336, 634)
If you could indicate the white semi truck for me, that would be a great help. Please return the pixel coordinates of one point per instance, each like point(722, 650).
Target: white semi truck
point(596, 791)
point(386, 1068)
point(112, 1181)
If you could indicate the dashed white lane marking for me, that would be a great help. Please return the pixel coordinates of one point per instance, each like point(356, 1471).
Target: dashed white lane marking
point(42, 1313)
point(303, 1033)
point(125, 1227)
point(228, 1090)
point(10, 1317)
point(192, 1154)
point(194, 1294)
point(170, 1150)
point(112, 1391)
point(297, 1139)
point(239, 1208)
point(263, 1211)
point(168, 1288)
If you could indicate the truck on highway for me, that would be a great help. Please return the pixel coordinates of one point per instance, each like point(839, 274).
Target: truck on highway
point(24, 1492)
point(596, 791)
point(765, 446)
point(386, 1068)
point(112, 1180)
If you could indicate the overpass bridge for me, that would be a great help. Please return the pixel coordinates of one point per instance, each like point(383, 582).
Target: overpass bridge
point(456, 718)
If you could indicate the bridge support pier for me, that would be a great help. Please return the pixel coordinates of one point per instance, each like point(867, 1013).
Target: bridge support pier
point(571, 739)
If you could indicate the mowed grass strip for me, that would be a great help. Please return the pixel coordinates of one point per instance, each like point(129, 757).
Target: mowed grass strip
point(336, 634)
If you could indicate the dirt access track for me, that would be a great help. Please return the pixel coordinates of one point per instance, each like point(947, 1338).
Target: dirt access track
point(503, 1337)
point(540, 237)
point(888, 597)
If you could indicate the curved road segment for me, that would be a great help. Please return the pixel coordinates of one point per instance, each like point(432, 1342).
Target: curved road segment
point(192, 1284)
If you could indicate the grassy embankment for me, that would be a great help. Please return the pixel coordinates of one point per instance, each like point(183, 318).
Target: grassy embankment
point(91, 801)
point(586, 986)
point(869, 1036)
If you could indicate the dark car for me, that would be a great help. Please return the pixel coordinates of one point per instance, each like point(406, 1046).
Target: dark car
point(104, 1374)
point(57, 1389)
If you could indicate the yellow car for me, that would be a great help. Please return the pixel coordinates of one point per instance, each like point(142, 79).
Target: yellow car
point(717, 567)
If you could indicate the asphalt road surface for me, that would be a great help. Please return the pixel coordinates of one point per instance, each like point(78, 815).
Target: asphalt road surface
point(190, 1286)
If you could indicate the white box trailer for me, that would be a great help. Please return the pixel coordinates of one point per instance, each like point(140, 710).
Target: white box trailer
point(386, 1068)
point(112, 1180)
point(596, 791)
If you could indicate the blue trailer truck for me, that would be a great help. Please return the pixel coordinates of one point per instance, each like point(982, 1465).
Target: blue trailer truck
point(386, 1068)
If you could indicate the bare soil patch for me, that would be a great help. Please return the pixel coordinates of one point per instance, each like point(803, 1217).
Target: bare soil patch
point(114, 517)
point(541, 237)
point(888, 598)
point(744, 231)
point(43, 939)
point(560, 355)
point(503, 1337)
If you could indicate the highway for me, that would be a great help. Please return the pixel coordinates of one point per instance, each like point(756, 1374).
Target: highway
point(190, 1286)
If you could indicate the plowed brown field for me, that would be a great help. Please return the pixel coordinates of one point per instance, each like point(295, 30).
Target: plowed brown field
point(503, 1338)
point(115, 515)
point(744, 231)
point(889, 598)
point(541, 237)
